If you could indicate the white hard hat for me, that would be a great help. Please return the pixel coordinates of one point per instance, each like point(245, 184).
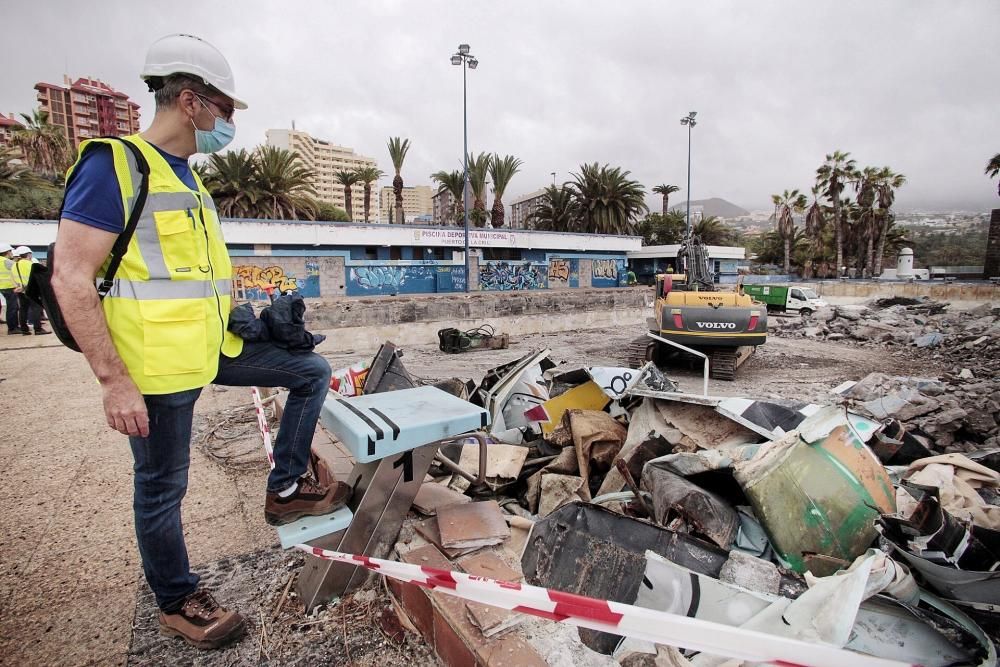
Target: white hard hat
point(5, 247)
point(22, 250)
point(187, 54)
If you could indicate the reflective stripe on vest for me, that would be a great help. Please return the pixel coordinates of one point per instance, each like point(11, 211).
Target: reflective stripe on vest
point(147, 290)
point(168, 306)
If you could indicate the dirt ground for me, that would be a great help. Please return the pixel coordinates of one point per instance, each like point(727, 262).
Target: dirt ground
point(70, 580)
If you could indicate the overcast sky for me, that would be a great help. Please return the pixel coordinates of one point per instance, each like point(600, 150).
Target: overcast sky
point(912, 84)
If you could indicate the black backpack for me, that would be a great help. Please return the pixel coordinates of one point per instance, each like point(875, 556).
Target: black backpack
point(39, 288)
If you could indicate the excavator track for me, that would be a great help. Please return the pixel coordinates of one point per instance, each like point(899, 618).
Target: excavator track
point(639, 351)
point(723, 362)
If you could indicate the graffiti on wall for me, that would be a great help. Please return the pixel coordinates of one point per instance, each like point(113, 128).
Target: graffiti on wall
point(503, 276)
point(564, 273)
point(608, 273)
point(392, 280)
point(255, 280)
point(259, 278)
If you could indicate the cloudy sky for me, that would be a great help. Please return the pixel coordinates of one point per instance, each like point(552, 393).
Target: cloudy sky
point(912, 84)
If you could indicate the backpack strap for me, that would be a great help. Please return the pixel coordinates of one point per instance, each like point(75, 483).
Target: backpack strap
point(120, 247)
point(138, 204)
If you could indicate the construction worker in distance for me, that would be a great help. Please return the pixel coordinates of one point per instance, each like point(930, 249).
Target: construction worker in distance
point(630, 278)
point(28, 312)
point(160, 335)
point(7, 288)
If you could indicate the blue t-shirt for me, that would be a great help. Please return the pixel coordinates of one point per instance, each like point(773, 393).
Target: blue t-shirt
point(93, 197)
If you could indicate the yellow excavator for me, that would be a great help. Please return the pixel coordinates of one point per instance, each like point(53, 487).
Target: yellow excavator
point(690, 310)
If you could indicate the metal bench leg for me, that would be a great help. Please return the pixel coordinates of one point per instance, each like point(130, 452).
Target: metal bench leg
point(383, 493)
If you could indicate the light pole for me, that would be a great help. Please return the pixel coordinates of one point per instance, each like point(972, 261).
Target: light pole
point(467, 61)
point(690, 122)
point(553, 179)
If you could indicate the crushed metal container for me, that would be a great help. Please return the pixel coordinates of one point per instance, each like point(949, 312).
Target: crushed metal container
point(819, 490)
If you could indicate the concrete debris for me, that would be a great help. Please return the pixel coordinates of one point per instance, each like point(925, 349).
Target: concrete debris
point(755, 511)
point(968, 339)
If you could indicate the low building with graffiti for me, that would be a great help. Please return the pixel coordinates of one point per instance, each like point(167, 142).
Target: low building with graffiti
point(351, 259)
point(726, 262)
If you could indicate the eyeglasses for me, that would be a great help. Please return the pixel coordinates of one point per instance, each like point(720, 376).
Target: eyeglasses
point(225, 111)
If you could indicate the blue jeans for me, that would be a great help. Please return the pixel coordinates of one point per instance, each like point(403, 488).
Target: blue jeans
point(10, 304)
point(163, 458)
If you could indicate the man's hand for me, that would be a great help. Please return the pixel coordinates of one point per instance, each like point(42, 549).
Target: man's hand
point(124, 407)
point(18, 290)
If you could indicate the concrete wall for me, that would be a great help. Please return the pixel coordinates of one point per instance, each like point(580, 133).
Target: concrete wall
point(936, 290)
point(363, 323)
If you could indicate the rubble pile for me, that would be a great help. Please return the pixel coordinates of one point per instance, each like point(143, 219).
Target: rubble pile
point(869, 521)
point(967, 339)
point(953, 414)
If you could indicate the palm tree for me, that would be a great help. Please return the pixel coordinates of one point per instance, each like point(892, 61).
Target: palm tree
point(451, 182)
point(865, 184)
point(286, 187)
point(814, 228)
point(14, 174)
point(43, 145)
point(609, 201)
point(785, 206)
point(347, 179)
point(888, 183)
point(501, 171)
point(368, 175)
point(479, 166)
point(993, 168)
point(666, 191)
point(232, 178)
point(832, 176)
point(557, 212)
point(398, 148)
point(713, 231)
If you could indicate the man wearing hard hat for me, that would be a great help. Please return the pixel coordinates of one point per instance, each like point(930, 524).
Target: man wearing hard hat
point(160, 334)
point(7, 287)
point(28, 312)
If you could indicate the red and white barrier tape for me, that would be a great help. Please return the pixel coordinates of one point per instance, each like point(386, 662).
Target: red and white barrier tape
point(621, 619)
point(265, 429)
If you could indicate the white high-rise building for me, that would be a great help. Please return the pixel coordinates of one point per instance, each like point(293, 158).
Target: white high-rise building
point(326, 159)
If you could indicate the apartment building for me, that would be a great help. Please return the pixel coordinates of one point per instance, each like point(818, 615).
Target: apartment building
point(326, 159)
point(524, 206)
point(443, 208)
point(88, 108)
point(418, 203)
point(7, 128)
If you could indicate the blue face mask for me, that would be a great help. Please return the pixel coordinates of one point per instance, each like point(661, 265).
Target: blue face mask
point(214, 140)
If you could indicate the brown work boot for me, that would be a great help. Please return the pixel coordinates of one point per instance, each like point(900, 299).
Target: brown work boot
point(201, 622)
point(310, 499)
point(320, 469)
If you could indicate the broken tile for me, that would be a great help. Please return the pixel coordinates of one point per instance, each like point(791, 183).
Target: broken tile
point(490, 566)
point(503, 463)
point(432, 496)
point(428, 528)
point(472, 525)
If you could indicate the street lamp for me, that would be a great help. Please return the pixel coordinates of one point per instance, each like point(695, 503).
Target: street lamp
point(553, 179)
point(690, 122)
point(467, 61)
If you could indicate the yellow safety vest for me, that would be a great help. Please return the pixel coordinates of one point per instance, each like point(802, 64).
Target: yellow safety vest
point(21, 272)
point(168, 308)
point(6, 279)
